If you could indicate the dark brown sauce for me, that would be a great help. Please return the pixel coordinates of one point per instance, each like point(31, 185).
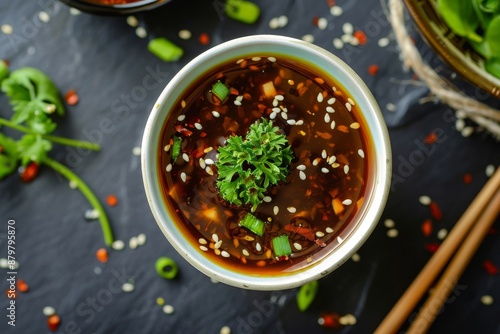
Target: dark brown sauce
point(312, 207)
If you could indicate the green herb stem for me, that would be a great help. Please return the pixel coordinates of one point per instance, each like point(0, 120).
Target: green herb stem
point(89, 195)
point(54, 139)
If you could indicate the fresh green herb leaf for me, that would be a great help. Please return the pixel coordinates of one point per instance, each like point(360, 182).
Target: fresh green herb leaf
point(4, 70)
point(243, 11)
point(33, 148)
point(176, 148)
point(461, 18)
point(493, 66)
point(165, 49)
point(220, 90)
point(281, 246)
point(306, 295)
point(8, 155)
point(489, 6)
point(247, 168)
point(492, 37)
point(253, 223)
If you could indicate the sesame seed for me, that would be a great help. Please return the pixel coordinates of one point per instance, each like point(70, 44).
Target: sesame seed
point(256, 58)
point(390, 107)
point(336, 10)
point(347, 319)
point(282, 21)
point(74, 11)
point(332, 125)
point(487, 300)
point(202, 241)
point(225, 330)
point(279, 97)
point(44, 17)
point(273, 115)
point(168, 168)
point(335, 165)
point(389, 223)
point(215, 113)
point(213, 280)
point(323, 154)
point(225, 254)
point(330, 110)
point(316, 161)
point(181, 118)
point(183, 177)
point(276, 210)
point(275, 102)
point(136, 151)
point(132, 21)
point(132, 243)
point(203, 248)
point(284, 115)
point(490, 169)
point(353, 40)
point(168, 309)
point(7, 29)
point(167, 148)
point(209, 170)
point(383, 42)
point(329, 230)
point(355, 257)
point(218, 244)
point(322, 23)
point(442, 233)
point(467, 131)
point(183, 104)
point(198, 126)
point(73, 184)
point(354, 125)
point(348, 106)
point(290, 122)
point(291, 209)
point(347, 28)
point(297, 246)
point(215, 237)
point(48, 311)
point(97, 270)
point(459, 124)
point(209, 161)
point(347, 202)
point(184, 34)
point(299, 122)
point(319, 98)
point(302, 175)
point(346, 169)
point(91, 214)
point(141, 239)
point(202, 163)
point(271, 59)
point(267, 199)
point(237, 102)
point(239, 61)
point(308, 38)
point(141, 32)
point(350, 101)
point(216, 251)
point(185, 157)
point(327, 118)
point(128, 287)
point(339, 239)
point(258, 247)
point(118, 245)
point(392, 233)
point(361, 153)
point(324, 170)
point(4, 263)
point(424, 200)
point(276, 110)
point(301, 167)
point(332, 159)
point(320, 234)
point(245, 252)
point(338, 43)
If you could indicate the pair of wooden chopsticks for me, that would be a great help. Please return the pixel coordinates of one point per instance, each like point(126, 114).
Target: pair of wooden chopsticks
point(466, 236)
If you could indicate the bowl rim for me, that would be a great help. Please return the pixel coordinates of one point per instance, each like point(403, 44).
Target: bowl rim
point(380, 181)
point(121, 9)
point(449, 53)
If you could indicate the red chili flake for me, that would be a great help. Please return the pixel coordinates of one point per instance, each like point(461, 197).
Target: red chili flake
point(102, 255)
point(329, 320)
point(467, 178)
point(435, 211)
point(432, 247)
point(71, 97)
point(203, 134)
point(183, 131)
point(315, 21)
point(414, 76)
point(373, 69)
point(6, 62)
point(303, 231)
point(112, 200)
point(431, 138)
point(427, 227)
point(29, 172)
point(204, 39)
point(282, 258)
point(22, 286)
point(53, 322)
point(490, 267)
point(199, 151)
point(330, 3)
point(360, 36)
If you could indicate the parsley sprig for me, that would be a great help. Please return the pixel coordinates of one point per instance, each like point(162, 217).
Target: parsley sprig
point(247, 168)
point(34, 99)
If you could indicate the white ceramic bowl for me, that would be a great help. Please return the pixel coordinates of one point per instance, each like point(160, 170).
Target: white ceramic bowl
point(377, 186)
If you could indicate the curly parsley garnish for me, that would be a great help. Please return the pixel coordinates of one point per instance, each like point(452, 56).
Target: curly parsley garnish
point(247, 168)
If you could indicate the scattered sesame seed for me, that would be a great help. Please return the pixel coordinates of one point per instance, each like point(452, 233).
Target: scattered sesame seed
point(350, 101)
point(97, 270)
point(141, 32)
point(183, 177)
point(73, 184)
point(267, 199)
point(183, 104)
point(209, 161)
point(353, 40)
point(4, 263)
point(347, 28)
point(202, 163)
point(467, 131)
point(389, 223)
point(44, 17)
point(132, 243)
point(330, 110)
point(459, 124)
point(245, 252)
point(361, 153)
point(291, 209)
point(327, 118)
point(185, 34)
point(279, 97)
point(271, 59)
point(487, 300)
point(203, 248)
point(282, 21)
point(74, 11)
point(225, 254)
point(290, 122)
point(132, 21)
point(442, 233)
point(302, 175)
point(346, 169)
point(323, 154)
point(325, 170)
point(181, 118)
point(256, 58)
point(335, 165)
point(274, 23)
point(168, 309)
point(392, 233)
point(141, 239)
point(348, 106)
point(198, 126)
point(329, 230)
point(160, 301)
point(301, 167)
point(383, 42)
point(490, 170)
point(7, 29)
point(48, 311)
point(316, 161)
point(347, 319)
point(185, 157)
point(354, 125)
point(209, 170)
point(339, 239)
point(297, 246)
point(239, 61)
point(275, 102)
point(332, 125)
point(338, 43)
point(128, 287)
point(168, 168)
point(218, 244)
point(284, 115)
point(225, 330)
point(276, 210)
point(336, 10)
point(299, 122)
point(91, 214)
point(347, 202)
point(424, 200)
point(202, 241)
point(332, 159)
point(136, 151)
point(322, 23)
point(215, 237)
point(258, 247)
point(167, 148)
point(215, 113)
point(308, 38)
point(320, 234)
point(118, 245)
point(355, 257)
point(237, 102)
point(390, 107)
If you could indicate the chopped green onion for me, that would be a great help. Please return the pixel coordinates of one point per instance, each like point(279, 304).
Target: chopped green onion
point(281, 246)
point(306, 295)
point(166, 267)
point(176, 148)
point(164, 49)
point(4, 70)
point(253, 223)
point(243, 11)
point(220, 90)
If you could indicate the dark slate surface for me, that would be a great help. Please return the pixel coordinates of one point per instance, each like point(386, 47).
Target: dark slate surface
point(103, 59)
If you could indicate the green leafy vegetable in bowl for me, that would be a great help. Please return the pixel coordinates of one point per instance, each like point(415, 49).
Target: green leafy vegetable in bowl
point(479, 22)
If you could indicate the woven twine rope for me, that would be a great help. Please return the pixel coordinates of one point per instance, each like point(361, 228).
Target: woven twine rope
point(486, 117)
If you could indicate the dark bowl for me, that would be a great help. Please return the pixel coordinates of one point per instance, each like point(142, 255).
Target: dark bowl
point(93, 6)
point(453, 49)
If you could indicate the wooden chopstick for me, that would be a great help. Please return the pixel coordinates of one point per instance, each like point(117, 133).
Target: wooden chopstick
point(451, 275)
point(402, 309)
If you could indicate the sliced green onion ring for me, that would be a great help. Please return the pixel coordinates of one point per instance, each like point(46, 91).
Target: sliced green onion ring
point(306, 295)
point(166, 267)
point(220, 90)
point(253, 223)
point(281, 246)
point(176, 148)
